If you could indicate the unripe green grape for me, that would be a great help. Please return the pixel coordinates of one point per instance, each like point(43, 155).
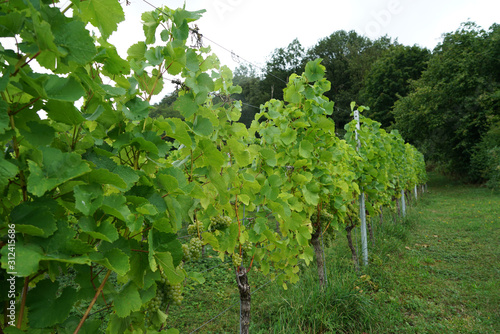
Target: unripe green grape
point(187, 253)
point(219, 222)
point(195, 229)
point(246, 248)
point(237, 260)
point(174, 293)
point(195, 245)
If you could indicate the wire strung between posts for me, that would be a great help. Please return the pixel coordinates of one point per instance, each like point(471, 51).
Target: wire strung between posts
point(246, 104)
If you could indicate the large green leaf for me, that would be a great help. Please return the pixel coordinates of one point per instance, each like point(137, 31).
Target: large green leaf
point(116, 206)
point(63, 89)
point(30, 254)
point(4, 116)
point(102, 14)
point(44, 297)
point(75, 40)
point(202, 126)
point(64, 112)
point(186, 105)
point(165, 260)
point(11, 23)
point(57, 167)
point(38, 134)
point(314, 70)
point(114, 259)
point(34, 219)
point(7, 171)
point(240, 152)
point(136, 109)
point(105, 230)
point(88, 198)
point(127, 300)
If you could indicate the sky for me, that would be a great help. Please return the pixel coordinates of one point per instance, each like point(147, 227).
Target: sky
point(253, 29)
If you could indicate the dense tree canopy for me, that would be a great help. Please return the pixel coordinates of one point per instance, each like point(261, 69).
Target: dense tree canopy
point(347, 57)
point(389, 79)
point(456, 100)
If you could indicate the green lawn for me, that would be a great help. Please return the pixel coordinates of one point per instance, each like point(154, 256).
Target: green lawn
point(436, 272)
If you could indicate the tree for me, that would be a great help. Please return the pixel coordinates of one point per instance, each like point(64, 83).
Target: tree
point(166, 107)
point(456, 99)
point(251, 95)
point(389, 78)
point(347, 57)
point(282, 63)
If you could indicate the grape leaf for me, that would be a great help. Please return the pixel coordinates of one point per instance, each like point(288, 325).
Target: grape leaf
point(105, 231)
point(102, 14)
point(114, 259)
point(43, 298)
point(202, 126)
point(58, 167)
point(30, 254)
point(4, 116)
point(88, 198)
point(38, 134)
point(11, 23)
point(186, 105)
point(165, 260)
point(63, 89)
point(136, 109)
point(34, 219)
point(127, 300)
point(7, 171)
point(64, 112)
point(76, 41)
point(116, 206)
point(314, 70)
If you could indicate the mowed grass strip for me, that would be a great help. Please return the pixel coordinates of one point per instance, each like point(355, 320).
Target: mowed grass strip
point(449, 279)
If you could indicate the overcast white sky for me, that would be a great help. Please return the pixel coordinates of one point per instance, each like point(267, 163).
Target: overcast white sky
point(253, 29)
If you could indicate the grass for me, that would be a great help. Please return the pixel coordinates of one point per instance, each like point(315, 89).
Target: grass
point(436, 272)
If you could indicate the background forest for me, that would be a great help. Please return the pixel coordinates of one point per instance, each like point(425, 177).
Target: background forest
point(444, 101)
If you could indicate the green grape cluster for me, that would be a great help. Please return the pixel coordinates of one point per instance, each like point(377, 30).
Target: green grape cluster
point(246, 248)
point(166, 294)
point(174, 293)
point(159, 302)
point(192, 251)
point(195, 229)
point(220, 222)
point(237, 260)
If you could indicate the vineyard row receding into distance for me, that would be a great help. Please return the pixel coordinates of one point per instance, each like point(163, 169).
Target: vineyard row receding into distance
point(103, 191)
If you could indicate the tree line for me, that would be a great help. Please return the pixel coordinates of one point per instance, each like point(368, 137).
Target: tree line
point(444, 101)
